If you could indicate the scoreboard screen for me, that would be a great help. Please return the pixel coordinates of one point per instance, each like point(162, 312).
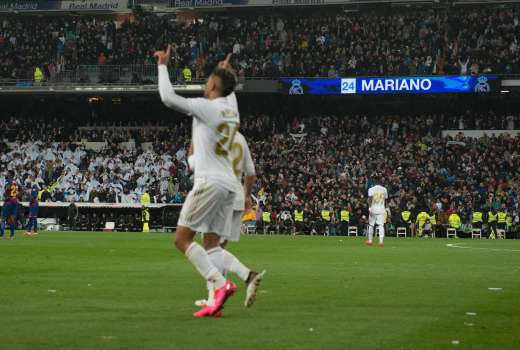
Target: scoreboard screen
point(391, 85)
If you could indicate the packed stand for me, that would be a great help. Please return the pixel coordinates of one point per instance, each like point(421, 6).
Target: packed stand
point(72, 173)
point(289, 43)
point(314, 173)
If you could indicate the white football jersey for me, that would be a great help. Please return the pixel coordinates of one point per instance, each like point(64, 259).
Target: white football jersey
point(378, 194)
point(214, 132)
point(245, 165)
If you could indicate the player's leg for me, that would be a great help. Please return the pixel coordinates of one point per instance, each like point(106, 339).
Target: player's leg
point(215, 257)
point(31, 227)
point(13, 210)
point(211, 243)
point(3, 218)
point(196, 214)
point(380, 220)
point(213, 226)
point(251, 278)
point(197, 256)
point(34, 221)
point(2, 225)
point(232, 233)
point(371, 223)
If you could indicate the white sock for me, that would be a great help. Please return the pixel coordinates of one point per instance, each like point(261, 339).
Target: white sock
point(381, 234)
point(232, 264)
point(217, 259)
point(200, 259)
point(211, 294)
point(370, 233)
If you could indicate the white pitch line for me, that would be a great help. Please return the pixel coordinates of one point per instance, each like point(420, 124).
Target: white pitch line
point(458, 245)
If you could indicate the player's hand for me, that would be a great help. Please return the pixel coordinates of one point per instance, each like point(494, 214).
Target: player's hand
point(163, 57)
point(225, 63)
point(248, 204)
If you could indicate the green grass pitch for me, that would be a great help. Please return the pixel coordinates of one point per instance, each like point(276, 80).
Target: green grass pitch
point(134, 291)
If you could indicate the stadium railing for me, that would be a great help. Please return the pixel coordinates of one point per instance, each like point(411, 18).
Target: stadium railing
point(147, 74)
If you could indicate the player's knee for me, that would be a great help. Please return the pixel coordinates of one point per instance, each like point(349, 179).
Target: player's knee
point(183, 238)
point(181, 243)
point(211, 240)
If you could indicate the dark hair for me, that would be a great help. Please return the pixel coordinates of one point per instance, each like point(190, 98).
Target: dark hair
point(228, 80)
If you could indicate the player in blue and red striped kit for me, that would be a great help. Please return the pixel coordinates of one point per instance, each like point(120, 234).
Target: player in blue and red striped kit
point(32, 225)
point(10, 207)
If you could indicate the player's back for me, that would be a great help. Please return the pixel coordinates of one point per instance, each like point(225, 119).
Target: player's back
point(378, 194)
point(242, 165)
point(214, 130)
point(11, 191)
point(242, 159)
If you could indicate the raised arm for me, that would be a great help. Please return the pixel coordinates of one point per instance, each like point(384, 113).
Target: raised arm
point(166, 91)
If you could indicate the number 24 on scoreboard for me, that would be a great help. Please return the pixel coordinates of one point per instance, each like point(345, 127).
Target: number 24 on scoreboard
point(348, 86)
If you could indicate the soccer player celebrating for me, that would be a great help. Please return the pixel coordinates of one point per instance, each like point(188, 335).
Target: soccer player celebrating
point(210, 202)
point(10, 208)
point(243, 203)
point(32, 224)
point(376, 209)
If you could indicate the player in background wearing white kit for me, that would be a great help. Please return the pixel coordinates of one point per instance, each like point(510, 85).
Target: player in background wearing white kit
point(376, 210)
point(210, 202)
point(243, 203)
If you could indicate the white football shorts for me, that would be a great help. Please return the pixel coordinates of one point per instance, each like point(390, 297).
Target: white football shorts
point(208, 209)
point(378, 219)
point(233, 225)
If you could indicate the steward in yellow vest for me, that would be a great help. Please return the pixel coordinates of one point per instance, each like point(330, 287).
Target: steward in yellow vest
point(145, 212)
point(406, 217)
point(477, 219)
point(186, 73)
point(420, 220)
point(38, 75)
point(345, 215)
point(298, 221)
point(325, 215)
point(325, 221)
point(344, 220)
point(502, 220)
point(454, 221)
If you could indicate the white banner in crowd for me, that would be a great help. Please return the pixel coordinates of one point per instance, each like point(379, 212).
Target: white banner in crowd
point(480, 133)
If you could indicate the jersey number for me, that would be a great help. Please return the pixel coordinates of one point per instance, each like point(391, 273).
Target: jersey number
point(379, 198)
point(14, 191)
point(226, 145)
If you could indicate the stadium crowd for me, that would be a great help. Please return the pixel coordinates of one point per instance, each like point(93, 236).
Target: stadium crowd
point(310, 169)
point(325, 43)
